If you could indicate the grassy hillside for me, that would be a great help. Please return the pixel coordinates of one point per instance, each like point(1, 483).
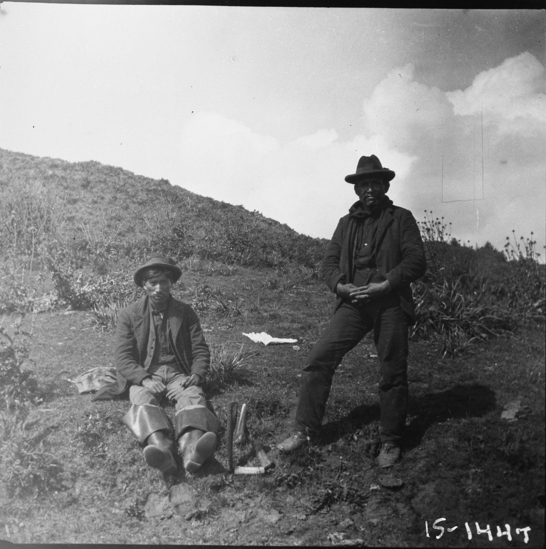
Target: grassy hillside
point(101, 213)
point(71, 235)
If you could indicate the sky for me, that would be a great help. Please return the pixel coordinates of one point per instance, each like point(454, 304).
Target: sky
point(271, 107)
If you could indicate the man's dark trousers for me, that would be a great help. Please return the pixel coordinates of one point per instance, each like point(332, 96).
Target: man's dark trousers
point(347, 327)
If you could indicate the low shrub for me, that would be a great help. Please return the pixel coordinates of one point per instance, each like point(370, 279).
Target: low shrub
point(13, 297)
point(471, 294)
point(88, 292)
point(453, 318)
point(229, 308)
point(72, 291)
point(225, 364)
point(26, 465)
point(21, 288)
point(30, 214)
point(105, 316)
point(17, 387)
point(206, 297)
point(524, 282)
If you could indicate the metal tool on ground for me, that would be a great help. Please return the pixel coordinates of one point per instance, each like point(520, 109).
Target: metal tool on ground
point(242, 433)
point(231, 420)
point(265, 462)
point(240, 430)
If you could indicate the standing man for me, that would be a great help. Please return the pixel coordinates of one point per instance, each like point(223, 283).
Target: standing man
point(375, 254)
point(161, 352)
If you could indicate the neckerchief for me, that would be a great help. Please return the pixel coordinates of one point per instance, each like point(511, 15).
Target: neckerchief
point(359, 213)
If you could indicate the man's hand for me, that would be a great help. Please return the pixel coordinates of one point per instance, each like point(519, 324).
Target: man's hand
point(370, 292)
point(344, 290)
point(154, 385)
point(175, 392)
point(193, 381)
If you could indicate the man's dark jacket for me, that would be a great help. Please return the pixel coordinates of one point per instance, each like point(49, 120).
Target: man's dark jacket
point(131, 352)
point(397, 249)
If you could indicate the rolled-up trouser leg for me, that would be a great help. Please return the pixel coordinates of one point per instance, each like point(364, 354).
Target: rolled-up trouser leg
point(145, 420)
point(192, 412)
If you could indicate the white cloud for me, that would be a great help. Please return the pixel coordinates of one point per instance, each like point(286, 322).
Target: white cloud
point(486, 179)
point(293, 183)
point(218, 154)
point(300, 182)
point(508, 95)
point(401, 110)
point(390, 157)
point(454, 157)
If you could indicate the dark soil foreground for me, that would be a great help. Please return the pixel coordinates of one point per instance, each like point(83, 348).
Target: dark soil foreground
point(468, 478)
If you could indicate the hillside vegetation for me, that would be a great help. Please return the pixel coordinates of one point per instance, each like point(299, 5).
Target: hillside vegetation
point(71, 235)
point(79, 229)
point(97, 214)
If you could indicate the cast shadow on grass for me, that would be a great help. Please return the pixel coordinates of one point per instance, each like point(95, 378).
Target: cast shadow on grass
point(461, 401)
point(211, 467)
point(354, 421)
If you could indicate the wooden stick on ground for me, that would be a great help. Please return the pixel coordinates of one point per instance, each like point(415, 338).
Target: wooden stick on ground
point(231, 420)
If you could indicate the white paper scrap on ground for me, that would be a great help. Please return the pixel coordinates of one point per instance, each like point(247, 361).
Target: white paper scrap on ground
point(266, 339)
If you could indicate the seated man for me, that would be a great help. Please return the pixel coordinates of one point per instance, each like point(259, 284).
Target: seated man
point(161, 351)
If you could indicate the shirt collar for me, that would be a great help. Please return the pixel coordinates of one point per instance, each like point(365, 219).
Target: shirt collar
point(154, 312)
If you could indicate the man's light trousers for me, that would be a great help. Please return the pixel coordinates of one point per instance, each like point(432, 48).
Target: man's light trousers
point(147, 416)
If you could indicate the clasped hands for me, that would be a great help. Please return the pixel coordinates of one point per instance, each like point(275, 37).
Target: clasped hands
point(363, 294)
point(156, 386)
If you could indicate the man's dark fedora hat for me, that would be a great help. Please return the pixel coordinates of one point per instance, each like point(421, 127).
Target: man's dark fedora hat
point(369, 166)
point(157, 262)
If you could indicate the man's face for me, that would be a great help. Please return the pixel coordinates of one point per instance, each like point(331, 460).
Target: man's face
point(158, 289)
point(371, 191)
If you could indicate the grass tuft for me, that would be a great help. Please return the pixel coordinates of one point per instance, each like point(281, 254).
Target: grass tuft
point(225, 364)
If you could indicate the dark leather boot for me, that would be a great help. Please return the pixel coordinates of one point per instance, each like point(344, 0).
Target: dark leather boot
point(158, 453)
point(295, 442)
point(196, 447)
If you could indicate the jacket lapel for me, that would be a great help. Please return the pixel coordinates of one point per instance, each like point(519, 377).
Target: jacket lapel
point(175, 319)
point(141, 325)
point(387, 218)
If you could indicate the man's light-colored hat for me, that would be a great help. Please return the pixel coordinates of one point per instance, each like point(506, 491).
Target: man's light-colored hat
point(369, 166)
point(157, 262)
